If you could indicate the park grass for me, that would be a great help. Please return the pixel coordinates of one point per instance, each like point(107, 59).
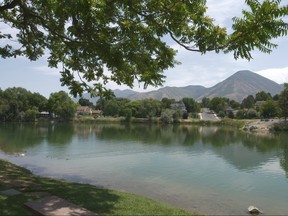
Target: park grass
point(235, 123)
point(96, 199)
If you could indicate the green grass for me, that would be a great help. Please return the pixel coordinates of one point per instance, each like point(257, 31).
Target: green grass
point(99, 200)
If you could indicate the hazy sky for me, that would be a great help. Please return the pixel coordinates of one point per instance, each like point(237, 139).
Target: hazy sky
point(195, 69)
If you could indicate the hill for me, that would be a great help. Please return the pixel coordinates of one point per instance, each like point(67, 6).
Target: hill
point(171, 92)
point(236, 87)
point(241, 84)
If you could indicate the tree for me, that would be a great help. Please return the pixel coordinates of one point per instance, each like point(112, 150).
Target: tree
point(283, 101)
point(234, 104)
point(263, 96)
point(30, 114)
point(146, 108)
point(166, 102)
point(248, 102)
point(61, 105)
point(127, 37)
point(205, 102)
point(85, 102)
point(167, 116)
point(241, 114)
point(111, 108)
point(191, 105)
point(39, 101)
point(252, 113)
point(15, 102)
point(217, 104)
point(115, 107)
point(269, 109)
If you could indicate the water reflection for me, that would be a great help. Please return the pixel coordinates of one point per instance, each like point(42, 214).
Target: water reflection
point(284, 157)
point(226, 143)
point(16, 138)
point(184, 164)
point(60, 134)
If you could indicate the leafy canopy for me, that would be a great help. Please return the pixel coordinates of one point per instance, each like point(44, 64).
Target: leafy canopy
point(86, 37)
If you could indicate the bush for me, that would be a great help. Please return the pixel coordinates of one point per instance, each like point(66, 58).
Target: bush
point(30, 115)
point(280, 127)
point(221, 114)
point(241, 114)
point(185, 115)
point(166, 116)
point(252, 113)
point(176, 116)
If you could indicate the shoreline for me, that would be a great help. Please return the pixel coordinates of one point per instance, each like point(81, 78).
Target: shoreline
point(263, 126)
point(103, 201)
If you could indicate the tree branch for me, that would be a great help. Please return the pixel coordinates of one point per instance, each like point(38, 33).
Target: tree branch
point(182, 45)
point(10, 5)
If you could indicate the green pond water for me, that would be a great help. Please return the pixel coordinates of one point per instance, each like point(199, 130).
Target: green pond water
point(211, 170)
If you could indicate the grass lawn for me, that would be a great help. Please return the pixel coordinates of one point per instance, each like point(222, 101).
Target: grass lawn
point(99, 200)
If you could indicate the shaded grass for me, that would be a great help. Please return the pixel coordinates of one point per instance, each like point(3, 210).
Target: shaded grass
point(99, 200)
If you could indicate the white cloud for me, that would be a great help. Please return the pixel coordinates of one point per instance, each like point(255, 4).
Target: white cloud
point(223, 11)
point(46, 70)
point(279, 75)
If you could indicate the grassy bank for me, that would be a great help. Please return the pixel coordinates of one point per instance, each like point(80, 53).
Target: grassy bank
point(235, 123)
point(99, 200)
point(224, 122)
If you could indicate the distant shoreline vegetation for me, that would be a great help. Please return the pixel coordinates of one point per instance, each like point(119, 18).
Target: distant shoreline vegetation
point(237, 123)
point(21, 105)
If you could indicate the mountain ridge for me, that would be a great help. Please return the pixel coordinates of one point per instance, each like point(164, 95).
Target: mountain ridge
point(236, 87)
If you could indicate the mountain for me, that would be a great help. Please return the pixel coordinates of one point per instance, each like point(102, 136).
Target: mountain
point(171, 92)
point(236, 87)
point(118, 93)
point(124, 93)
point(241, 84)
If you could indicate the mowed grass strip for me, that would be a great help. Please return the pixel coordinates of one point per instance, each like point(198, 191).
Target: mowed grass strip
point(99, 200)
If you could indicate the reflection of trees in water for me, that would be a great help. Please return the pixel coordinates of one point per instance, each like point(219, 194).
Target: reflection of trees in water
point(150, 134)
point(218, 136)
point(261, 147)
point(84, 130)
point(284, 155)
point(18, 137)
point(261, 143)
point(15, 137)
point(60, 133)
point(284, 160)
point(228, 143)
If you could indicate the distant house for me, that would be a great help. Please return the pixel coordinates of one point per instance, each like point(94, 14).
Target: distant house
point(96, 113)
point(83, 110)
point(179, 106)
point(229, 110)
point(43, 114)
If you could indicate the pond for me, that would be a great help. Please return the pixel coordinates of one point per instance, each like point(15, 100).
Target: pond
point(211, 170)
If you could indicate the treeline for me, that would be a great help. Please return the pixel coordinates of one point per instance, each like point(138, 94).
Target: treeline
point(261, 105)
point(19, 104)
point(168, 110)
